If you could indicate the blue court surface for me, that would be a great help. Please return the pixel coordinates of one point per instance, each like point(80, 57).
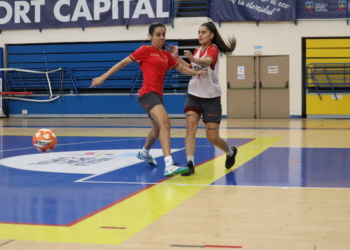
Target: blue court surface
point(85, 174)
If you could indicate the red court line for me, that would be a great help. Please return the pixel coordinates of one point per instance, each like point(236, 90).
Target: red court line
point(217, 246)
point(137, 192)
point(108, 206)
point(114, 203)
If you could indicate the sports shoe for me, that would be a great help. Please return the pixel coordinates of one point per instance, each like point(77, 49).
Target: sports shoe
point(173, 170)
point(148, 159)
point(230, 160)
point(190, 169)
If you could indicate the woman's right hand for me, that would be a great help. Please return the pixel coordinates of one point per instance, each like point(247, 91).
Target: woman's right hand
point(97, 81)
point(189, 55)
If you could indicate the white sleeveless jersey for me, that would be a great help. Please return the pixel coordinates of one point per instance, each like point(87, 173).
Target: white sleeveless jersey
point(206, 86)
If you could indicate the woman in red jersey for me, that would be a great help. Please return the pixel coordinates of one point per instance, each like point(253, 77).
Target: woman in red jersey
point(204, 94)
point(154, 62)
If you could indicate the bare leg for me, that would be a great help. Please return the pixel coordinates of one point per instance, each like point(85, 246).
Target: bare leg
point(192, 119)
point(161, 118)
point(212, 132)
point(152, 136)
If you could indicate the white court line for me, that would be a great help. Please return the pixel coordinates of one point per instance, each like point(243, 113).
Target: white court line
point(94, 175)
point(205, 185)
point(72, 144)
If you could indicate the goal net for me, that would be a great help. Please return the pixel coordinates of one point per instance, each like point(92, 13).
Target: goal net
point(21, 81)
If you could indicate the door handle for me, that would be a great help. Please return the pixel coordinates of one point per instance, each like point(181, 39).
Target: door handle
point(285, 87)
point(228, 87)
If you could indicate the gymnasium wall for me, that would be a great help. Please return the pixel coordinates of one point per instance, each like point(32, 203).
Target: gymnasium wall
point(330, 54)
point(276, 38)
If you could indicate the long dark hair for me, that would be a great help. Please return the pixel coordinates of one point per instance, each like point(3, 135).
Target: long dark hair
point(153, 26)
point(224, 49)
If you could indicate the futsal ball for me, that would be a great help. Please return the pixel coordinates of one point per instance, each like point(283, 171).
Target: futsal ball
point(44, 140)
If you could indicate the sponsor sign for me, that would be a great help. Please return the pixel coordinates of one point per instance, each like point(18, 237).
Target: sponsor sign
point(322, 9)
point(42, 14)
point(253, 10)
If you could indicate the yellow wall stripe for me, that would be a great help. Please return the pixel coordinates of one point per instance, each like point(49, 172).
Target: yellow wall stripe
point(327, 43)
point(328, 53)
point(327, 106)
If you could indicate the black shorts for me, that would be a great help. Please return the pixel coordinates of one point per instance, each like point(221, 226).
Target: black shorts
point(210, 108)
point(149, 101)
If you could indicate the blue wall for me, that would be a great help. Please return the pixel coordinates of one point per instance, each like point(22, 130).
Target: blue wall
point(92, 106)
point(89, 57)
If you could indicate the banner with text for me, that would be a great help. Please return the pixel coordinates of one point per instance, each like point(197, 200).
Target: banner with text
point(41, 14)
point(253, 10)
point(323, 9)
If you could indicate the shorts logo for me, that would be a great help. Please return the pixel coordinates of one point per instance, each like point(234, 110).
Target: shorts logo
point(146, 106)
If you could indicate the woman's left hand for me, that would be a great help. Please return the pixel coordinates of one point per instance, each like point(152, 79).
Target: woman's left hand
point(201, 73)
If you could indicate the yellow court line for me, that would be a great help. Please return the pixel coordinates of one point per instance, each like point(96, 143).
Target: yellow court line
point(140, 210)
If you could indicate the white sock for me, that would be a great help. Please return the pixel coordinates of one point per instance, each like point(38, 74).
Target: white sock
point(229, 153)
point(190, 158)
point(168, 161)
point(145, 152)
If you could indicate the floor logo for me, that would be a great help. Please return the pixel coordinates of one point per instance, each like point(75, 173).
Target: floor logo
point(78, 162)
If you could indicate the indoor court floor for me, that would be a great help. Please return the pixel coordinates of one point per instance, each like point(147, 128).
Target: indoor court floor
point(289, 188)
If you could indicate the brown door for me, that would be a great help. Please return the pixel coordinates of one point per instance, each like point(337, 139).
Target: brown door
point(274, 87)
point(241, 87)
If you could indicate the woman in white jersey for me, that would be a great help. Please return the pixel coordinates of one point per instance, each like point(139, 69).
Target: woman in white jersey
point(204, 94)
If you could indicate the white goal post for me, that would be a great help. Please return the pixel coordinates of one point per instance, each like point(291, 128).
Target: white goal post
point(1, 110)
point(51, 98)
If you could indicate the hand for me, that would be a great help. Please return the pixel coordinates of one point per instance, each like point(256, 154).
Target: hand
point(189, 55)
point(201, 73)
point(174, 51)
point(97, 81)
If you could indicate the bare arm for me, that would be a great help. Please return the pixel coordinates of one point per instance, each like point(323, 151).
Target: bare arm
point(174, 51)
point(182, 62)
point(200, 61)
point(187, 71)
point(99, 80)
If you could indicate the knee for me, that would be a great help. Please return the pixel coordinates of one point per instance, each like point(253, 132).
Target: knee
point(165, 124)
point(213, 138)
point(191, 128)
point(155, 133)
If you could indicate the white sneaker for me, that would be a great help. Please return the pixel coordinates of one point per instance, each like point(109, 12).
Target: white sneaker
point(148, 159)
point(173, 170)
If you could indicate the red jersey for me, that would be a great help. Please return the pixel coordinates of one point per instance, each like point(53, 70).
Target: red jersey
point(212, 52)
point(154, 64)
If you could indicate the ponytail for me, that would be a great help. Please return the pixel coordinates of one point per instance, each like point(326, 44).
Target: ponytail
point(224, 49)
